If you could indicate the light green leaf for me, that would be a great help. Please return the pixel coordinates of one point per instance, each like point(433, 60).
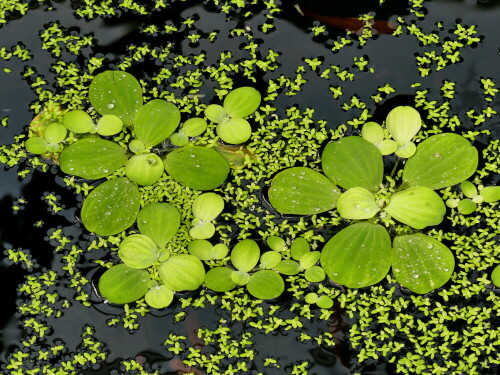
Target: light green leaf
point(358, 256)
point(299, 247)
point(220, 251)
point(310, 259)
point(302, 191)
point(418, 207)
point(200, 168)
point(245, 255)
point(440, 161)
point(466, 206)
point(421, 263)
point(182, 272)
point(311, 298)
point(242, 101)
point(288, 267)
point(109, 125)
point(353, 162)
point(111, 207)
point(194, 126)
point(55, 132)
point(123, 284)
point(208, 206)
point(116, 93)
point(216, 113)
point(491, 194)
point(179, 139)
point(159, 221)
point(136, 146)
point(372, 132)
point(403, 123)
point(202, 231)
point(138, 251)
point(314, 274)
point(159, 296)
point(202, 249)
point(495, 276)
point(387, 147)
point(219, 279)
point(92, 158)
point(270, 259)
point(78, 121)
point(156, 121)
point(266, 284)
point(36, 145)
point(324, 302)
point(235, 130)
point(406, 150)
point(469, 189)
point(240, 278)
point(276, 243)
point(357, 204)
point(144, 169)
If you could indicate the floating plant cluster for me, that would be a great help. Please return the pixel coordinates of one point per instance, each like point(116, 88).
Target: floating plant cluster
point(210, 180)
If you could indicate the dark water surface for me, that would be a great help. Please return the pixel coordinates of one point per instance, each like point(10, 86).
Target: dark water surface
point(394, 62)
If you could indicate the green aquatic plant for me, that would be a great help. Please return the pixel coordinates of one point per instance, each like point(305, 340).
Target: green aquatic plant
point(473, 196)
point(362, 254)
point(149, 270)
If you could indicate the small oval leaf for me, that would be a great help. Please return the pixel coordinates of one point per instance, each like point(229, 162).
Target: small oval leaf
point(159, 221)
point(245, 255)
point(266, 284)
point(182, 272)
point(242, 102)
point(156, 121)
point(138, 251)
point(123, 284)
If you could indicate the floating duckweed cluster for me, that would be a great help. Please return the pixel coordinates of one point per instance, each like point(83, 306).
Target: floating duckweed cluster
point(452, 330)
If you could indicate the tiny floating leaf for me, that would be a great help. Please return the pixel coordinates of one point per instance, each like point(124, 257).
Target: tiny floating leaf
point(159, 296)
point(242, 102)
point(266, 284)
point(123, 284)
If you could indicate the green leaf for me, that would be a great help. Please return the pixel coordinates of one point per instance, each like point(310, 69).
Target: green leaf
point(358, 256)
point(311, 298)
point(353, 162)
point(159, 296)
point(276, 243)
point(111, 207)
point(466, 206)
point(202, 249)
point(220, 251)
point(403, 123)
point(179, 139)
point(240, 278)
point(418, 207)
point(219, 279)
point(299, 247)
point(302, 191)
point(123, 284)
point(310, 259)
point(266, 284)
point(245, 255)
point(387, 147)
point(116, 93)
point(159, 221)
point(144, 169)
point(109, 125)
point(421, 263)
point(235, 130)
point(357, 204)
point(182, 272)
point(270, 259)
point(55, 132)
point(202, 231)
point(200, 168)
point(208, 206)
point(92, 158)
point(372, 132)
point(324, 302)
point(288, 267)
point(36, 145)
point(406, 150)
point(242, 101)
point(138, 251)
point(155, 121)
point(314, 274)
point(491, 194)
point(495, 276)
point(136, 146)
point(194, 126)
point(469, 189)
point(440, 161)
point(78, 121)
point(216, 113)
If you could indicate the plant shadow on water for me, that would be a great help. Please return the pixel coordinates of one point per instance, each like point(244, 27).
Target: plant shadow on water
point(22, 228)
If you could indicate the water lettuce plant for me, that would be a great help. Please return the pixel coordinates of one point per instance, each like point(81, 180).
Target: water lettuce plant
point(362, 254)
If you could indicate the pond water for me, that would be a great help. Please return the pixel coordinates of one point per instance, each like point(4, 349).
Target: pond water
point(28, 222)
